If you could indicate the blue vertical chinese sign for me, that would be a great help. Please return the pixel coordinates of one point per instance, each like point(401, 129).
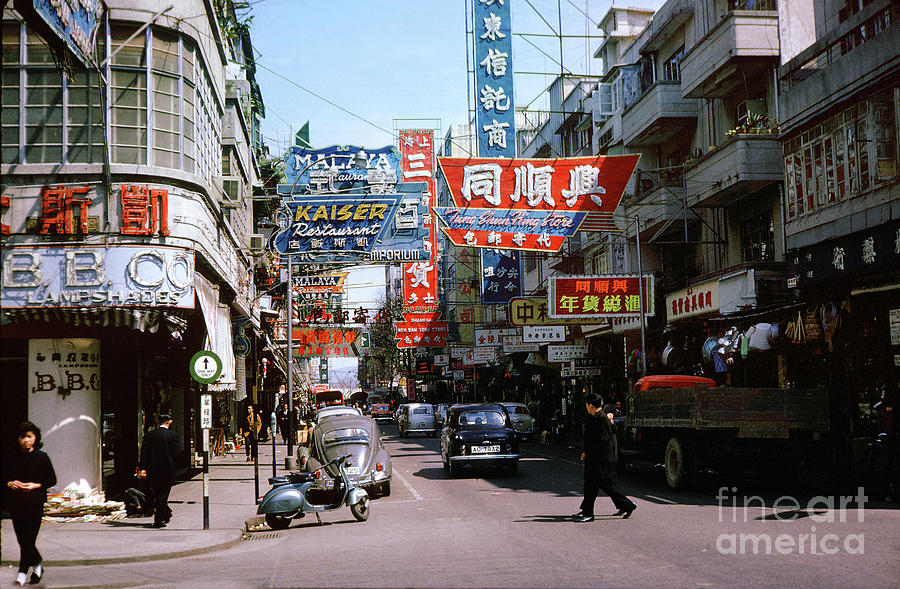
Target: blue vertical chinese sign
point(495, 113)
point(501, 276)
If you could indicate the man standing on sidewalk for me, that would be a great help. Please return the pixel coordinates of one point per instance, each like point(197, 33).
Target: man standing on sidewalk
point(599, 463)
point(159, 455)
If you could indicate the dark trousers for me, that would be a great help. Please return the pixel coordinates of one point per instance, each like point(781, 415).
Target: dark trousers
point(26, 524)
point(250, 445)
point(594, 484)
point(159, 490)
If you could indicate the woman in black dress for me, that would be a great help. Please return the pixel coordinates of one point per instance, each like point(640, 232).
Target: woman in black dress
point(30, 473)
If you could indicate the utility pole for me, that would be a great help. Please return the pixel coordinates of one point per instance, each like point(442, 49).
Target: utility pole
point(289, 457)
point(637, 234)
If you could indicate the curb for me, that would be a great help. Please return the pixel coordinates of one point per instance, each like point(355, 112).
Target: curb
point(142, 558)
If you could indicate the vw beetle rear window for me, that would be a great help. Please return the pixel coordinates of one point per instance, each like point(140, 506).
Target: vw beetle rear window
point(346, 435)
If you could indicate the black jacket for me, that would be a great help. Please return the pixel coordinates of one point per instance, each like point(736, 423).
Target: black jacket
point(159, 454)
point(599, 446)
point(29, 467)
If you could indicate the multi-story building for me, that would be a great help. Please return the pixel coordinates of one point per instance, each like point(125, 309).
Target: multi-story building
point(839, 112)
point(127, 228)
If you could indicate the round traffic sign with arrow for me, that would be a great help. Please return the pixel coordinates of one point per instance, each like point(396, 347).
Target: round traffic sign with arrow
point(205, 367)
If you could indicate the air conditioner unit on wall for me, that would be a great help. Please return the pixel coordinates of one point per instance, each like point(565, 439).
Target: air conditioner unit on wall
point(230, 190)
point(257, 242)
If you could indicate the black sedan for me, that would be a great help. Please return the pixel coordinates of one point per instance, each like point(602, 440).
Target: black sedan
point(477, 435)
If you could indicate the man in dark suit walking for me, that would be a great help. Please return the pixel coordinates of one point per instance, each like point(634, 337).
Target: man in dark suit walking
point(599, 463)
point(159, 455)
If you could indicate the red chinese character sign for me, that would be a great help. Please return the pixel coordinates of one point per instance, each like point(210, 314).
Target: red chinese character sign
point(313, 341)
point(613, 295)
point(420, 289)
point(531, 204)
point(421, 329)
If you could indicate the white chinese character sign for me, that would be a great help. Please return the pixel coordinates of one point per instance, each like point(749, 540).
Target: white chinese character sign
point(420, 288)
point(501, 275)
point(495, 113)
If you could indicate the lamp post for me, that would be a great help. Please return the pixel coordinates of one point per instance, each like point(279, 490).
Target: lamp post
point(360, 161)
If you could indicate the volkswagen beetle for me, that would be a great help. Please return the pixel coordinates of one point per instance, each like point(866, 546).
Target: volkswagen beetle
point(358, 436)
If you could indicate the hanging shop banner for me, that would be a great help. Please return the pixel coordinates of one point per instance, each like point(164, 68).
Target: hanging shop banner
point(457, 353)
point(493, 337)
point(513, 344)
point(94, 276)
point(533, 230)
point(334, 168)
point(600, 297)
point(868, 252)
point(442, 360)
point(501, 275)
point(544, 333)
point(420, 279)
point(690, 302)
point(316, 341)
point(484, 355)
point(354, 228)
point(564, 353)
point(495, 112)
point(320, 283)
point(526, 311)
point(582, 184)
point(421, 329)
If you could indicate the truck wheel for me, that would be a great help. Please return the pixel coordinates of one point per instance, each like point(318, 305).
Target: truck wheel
point(679, 463)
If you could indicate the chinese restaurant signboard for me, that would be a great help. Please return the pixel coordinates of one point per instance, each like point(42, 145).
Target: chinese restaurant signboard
point(601, 297)
point(334, 168)
point(354, 228)
point(495, 112)
point(320, 283)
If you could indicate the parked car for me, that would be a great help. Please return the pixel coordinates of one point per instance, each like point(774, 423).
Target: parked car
point(381, 412)
point(480, 435)
point(522, 420)
point(357, 435)
point(416, 418)
point(333, 410)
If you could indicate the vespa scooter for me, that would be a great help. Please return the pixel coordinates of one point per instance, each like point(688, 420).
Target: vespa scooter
point(287, 499)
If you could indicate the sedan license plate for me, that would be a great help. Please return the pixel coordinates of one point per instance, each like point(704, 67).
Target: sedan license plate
point(485, 449)
point(351, 469)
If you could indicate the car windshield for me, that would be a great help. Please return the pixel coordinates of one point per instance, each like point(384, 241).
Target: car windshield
point(381, 408)
point(481, 417)
point(345, 435)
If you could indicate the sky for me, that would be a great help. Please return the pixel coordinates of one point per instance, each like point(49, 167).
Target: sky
point(357, 70)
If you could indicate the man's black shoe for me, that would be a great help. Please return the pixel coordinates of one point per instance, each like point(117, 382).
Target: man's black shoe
point(579, 514)
point(158, 525)
point(626, 513)
point(584, 518)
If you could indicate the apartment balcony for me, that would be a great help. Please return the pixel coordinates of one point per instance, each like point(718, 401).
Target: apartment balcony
point(743, 43)
point(743, 164)
point(659, 198)
point(659, 115)
point(666, 22)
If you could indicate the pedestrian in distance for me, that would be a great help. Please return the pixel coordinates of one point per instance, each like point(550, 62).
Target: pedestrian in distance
point(250, 427)
point(29, 474)
point(599, 463)
point(284, 422)
point(159, 458)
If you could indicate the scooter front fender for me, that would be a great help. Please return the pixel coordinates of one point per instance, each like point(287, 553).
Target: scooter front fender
point(281, 500)
point(357, 494)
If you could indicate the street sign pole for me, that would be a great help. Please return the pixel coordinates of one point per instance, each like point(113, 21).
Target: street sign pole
point(289, 457)
point(205, 424)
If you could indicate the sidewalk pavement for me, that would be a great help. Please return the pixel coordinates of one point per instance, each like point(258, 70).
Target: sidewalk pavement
point(231, 505)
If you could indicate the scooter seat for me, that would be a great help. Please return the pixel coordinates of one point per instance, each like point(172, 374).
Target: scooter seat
point(302, 477)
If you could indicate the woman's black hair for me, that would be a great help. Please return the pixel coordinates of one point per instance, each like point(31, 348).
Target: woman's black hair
point(27, 426)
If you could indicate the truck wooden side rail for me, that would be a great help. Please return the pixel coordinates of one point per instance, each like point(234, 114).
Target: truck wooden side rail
point(700, 425)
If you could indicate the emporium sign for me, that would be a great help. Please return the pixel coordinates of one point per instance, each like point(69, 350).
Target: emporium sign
point(354, 228)
point(89, 276)
point(600, 297)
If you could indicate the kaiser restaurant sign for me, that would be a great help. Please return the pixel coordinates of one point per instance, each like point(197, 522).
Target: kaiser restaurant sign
point(354, 228)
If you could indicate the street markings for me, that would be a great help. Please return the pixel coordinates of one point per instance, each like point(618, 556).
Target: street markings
point(408, 486)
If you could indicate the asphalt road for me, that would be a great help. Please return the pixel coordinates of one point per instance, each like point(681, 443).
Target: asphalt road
point(488, 530)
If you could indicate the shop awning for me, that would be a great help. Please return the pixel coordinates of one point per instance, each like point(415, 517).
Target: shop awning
point(217, 318)
point(143, 320)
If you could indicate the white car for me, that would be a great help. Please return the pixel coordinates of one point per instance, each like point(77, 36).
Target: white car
point(333, 410)
point(416, 417)
point(522, 420)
